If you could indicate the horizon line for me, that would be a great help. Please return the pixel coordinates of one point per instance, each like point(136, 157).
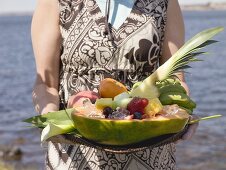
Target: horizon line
point(183, 7)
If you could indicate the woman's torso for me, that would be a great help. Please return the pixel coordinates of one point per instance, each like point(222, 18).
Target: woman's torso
point(88, 56)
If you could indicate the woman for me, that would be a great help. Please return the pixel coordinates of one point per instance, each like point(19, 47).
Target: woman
point(76, 45)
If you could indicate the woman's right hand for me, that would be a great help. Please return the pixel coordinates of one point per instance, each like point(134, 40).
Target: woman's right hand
point(45, 99)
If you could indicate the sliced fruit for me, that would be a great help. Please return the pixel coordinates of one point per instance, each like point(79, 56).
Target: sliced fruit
point(107, 111)
point(123, 103)
point(189, 111)
point(121, 96)
point(154, 106)
point(76, 100)
point(180, 99)
point(166, 82)
point(137, 105)
point(146, 91)
point(172, 88)
point(124, 132)
point(109, 88)
point(104, 102)
point(136, 84)
point(137, 115)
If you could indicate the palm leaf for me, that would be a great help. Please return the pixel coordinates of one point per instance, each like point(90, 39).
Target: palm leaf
point(41, 121)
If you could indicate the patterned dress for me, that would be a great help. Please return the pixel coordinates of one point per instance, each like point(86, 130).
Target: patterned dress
point(88, 56)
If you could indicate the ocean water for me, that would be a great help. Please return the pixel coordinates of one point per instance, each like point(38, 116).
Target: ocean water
point(17, 74)
point(207, 82)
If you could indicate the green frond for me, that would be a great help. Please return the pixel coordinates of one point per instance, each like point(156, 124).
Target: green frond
point(186, 54)
point(179, 61)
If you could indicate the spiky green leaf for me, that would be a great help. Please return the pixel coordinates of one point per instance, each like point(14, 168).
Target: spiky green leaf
point(179, 61)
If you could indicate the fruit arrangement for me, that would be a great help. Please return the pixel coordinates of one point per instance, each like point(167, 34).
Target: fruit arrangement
point(115, 101)
point(114, 114)
point(156, 106)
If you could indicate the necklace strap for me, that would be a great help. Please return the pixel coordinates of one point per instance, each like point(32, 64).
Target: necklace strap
point(107, 28)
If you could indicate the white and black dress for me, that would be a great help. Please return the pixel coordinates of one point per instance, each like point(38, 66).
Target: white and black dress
point(130, 54)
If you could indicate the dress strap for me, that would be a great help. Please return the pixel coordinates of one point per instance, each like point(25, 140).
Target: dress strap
point(107, 28)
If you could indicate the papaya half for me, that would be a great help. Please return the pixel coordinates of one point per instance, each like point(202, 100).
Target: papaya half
point(125, 132)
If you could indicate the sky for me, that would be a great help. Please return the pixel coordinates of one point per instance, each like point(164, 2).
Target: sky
point(23, 6)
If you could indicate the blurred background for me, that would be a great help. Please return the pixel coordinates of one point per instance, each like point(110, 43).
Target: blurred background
point(20, 145)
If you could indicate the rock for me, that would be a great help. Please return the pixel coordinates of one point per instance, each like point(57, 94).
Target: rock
point(10, 152)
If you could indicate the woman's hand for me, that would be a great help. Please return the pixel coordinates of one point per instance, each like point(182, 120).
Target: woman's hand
point(45, 99)
point(184, 84)
point(191, 129)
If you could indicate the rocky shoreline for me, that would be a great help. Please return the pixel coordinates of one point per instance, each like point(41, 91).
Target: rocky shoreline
point(12, 156)
point(204, 7)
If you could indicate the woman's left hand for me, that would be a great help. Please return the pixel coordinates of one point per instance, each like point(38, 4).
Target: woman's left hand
point(192, 127)
point(191, 130)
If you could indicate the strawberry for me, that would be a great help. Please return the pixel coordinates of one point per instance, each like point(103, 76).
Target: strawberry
point(137, 105)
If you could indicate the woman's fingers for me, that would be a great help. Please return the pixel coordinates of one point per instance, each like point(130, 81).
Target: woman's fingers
point(191, 129)
point(190, 132)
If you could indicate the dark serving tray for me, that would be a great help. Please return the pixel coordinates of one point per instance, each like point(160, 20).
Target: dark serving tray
point(150, 143)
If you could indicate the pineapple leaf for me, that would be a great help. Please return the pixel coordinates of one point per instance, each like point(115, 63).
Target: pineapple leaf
point(205, 44)
point(200, 40)
point(179, 61)
point(187, 53)
point(208, 42)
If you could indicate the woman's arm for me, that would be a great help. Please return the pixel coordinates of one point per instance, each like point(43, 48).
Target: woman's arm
point(46, 40)
point(174, 35)
point(174, 39)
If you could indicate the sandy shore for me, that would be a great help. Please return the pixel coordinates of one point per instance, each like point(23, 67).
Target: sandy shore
point(17, 166)
point(3, 166)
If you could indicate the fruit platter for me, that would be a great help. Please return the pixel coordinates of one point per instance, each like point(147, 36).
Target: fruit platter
point(154, 111)
point(120, 119)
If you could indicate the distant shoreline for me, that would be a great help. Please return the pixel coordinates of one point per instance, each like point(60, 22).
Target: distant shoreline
point(197, 7)
point(204, 7)
point(17, 14)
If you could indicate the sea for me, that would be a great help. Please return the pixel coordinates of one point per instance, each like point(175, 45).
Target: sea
point(206, 80)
